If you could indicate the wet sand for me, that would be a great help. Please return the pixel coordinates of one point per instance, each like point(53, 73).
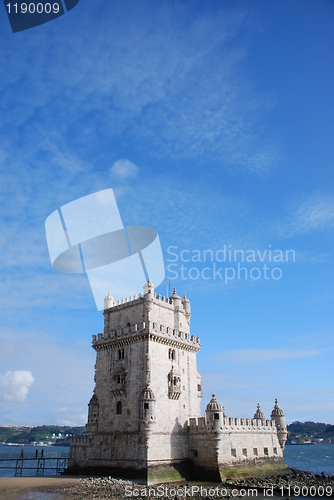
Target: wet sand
point(36, 488)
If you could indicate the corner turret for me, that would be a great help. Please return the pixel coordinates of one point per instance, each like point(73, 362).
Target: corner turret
point(109, 301)
point(186, 307)
point(149, 288)
point(93, 414)
point(177, 301)
point(278, 416)
point(147, 406)
point(215, 413)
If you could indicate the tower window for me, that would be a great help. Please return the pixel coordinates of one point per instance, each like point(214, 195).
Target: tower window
point(171, 354)
point(146, 406)
point(120, 353)
point(265, 451)
point(216, 416)
point(119, 408)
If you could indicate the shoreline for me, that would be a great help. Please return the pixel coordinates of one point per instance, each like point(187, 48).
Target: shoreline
point(71, 488)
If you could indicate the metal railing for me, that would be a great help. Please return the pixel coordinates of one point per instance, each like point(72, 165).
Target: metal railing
point(39, 464)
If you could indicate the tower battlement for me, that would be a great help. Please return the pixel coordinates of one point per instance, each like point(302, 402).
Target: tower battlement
point(158, 333)
point(229, 424)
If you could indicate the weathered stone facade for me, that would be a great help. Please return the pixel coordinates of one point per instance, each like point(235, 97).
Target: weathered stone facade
point(144, 417)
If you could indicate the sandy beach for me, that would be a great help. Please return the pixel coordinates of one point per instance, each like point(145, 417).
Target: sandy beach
point(35, 488)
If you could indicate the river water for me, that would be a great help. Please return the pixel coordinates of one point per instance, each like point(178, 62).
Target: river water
point(315, 458)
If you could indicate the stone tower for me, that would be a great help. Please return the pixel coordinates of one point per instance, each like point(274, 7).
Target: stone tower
point(144, 416)
point(146, 383)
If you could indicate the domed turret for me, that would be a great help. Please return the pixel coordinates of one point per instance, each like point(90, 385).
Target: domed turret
point(149, 288)
point(108, 301)
point(278, 416)
point(215, 413)
point(93, 414)
point(186, 306)
point(177, 301)
point(259, 415)
point(147, 405)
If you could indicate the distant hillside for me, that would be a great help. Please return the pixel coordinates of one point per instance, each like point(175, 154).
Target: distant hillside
point(54, 434)
point(301, 432)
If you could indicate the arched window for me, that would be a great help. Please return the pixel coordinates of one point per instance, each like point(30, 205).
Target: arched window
point(119, 408)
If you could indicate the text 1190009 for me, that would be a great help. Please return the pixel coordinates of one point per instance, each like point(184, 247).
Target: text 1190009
point(31, 8)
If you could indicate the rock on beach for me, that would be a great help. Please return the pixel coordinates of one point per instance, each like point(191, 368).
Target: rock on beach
point(107, 487)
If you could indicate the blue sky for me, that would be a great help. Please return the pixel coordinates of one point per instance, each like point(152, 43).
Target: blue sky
point(213, 123)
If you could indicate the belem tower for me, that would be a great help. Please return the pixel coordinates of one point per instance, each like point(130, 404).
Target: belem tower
point(144, 418)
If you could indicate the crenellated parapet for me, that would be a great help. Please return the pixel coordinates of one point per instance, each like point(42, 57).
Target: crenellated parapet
point(157, 332)
point(111, 304)
point(81, 440)
point(173, 304)
point(228, 424)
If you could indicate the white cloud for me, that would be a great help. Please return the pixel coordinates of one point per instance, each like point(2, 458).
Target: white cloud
point(55, 360)
point(14, 386)
point(124, 168)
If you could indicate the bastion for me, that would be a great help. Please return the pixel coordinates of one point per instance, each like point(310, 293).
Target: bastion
point(144, 418)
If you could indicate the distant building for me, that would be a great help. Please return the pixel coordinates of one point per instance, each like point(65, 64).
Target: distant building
point(144, 417)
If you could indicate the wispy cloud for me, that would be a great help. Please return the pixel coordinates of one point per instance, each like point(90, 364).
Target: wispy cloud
point(313, 213)
point(325, 297)
point(268, 355)
point(123, 169)
point(183, 92)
